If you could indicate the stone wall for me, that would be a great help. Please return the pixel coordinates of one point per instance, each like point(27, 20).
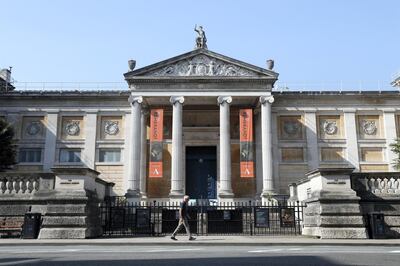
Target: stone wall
point(380, 194)
point(68, 201)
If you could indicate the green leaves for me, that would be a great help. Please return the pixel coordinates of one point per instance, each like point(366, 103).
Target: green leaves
point(395, 147)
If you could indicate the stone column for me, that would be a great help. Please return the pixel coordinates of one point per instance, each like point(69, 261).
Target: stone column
point(49, 152)
point(143, 154)
point(89, 151)
point(133, 193)
point(389, 118)
point(225, 189)
point(351, 138)
point(266, 142)
point(312, 140)
point(176, 167)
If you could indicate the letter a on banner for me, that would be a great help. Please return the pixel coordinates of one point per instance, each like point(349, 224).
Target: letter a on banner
point(156, 143)
point(246, 143)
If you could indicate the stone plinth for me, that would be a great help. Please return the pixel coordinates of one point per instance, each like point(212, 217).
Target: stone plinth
point(73, 210)
point(333, 209)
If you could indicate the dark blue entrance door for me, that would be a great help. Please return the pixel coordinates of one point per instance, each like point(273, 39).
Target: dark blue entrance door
point(201, 172)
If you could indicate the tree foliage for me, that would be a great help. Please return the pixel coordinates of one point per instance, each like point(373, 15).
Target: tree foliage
point(7, 145)
point(395, 147)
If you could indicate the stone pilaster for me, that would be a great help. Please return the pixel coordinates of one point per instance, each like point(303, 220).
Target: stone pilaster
point(225, 189)
point(312, 140)
point(49, 152)
point(89, 152)
point(143, 154)
point(177, 183)
point(351, 137)
point(266, 142)
point(389, 119)
point(133, 193)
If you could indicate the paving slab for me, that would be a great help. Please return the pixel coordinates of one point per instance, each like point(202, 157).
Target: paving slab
point(205, 240)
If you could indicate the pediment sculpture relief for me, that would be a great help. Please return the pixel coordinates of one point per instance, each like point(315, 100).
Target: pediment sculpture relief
point(202, 65)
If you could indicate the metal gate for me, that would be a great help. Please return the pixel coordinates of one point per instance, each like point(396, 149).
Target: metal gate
point(161, 218)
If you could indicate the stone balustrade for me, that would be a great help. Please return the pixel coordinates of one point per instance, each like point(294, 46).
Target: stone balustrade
point(24, 183)
point(386, 185)
point(377, 184)
point(19, 185)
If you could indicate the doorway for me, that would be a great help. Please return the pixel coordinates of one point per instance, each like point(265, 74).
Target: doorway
point(201, 172)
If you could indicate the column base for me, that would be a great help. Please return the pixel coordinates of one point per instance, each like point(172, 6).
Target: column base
point(267, 197)
point(225, 196)
point(176, 196)
point(132, 196)
point(143, 195)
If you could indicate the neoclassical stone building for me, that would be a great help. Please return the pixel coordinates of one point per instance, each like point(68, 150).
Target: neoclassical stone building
point(202, 124)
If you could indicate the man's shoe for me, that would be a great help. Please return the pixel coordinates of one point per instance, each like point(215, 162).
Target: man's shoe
point(192, 238)
point(173, 238)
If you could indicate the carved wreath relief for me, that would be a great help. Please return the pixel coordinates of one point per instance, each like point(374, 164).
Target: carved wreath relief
point(330, 127)
point(202, 65)
point(111, 127)
point(291, 127)
point(369, 127)
point(72, 128)
point(34, 128)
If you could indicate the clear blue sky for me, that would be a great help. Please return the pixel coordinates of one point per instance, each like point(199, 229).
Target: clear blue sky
point(310, 41)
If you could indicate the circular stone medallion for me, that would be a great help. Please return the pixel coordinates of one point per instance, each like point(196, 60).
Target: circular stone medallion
point(111, 128)
point(72, 128)
point(33, 128)
point(369, 127)
point(291, 128)
point(330, 127)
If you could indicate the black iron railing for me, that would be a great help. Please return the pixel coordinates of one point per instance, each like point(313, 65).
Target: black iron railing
point(120, 218)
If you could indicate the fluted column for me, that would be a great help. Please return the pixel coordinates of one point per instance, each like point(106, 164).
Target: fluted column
point(176, 167)
point(225, 189)
point(135, 149)
point(266, 146)
point(143, 154)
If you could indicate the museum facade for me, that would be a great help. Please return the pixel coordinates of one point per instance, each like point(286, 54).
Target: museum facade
point(205, 125)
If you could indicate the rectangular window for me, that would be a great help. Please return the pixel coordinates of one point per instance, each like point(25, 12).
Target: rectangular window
point(110, 155)
point(70, 155)
point(30, 155)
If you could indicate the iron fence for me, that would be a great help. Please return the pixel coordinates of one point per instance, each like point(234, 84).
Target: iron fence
point(120, 218)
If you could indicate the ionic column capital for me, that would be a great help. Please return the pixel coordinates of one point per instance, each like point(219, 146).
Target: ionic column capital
point(177, 99)
point(267, 99)
point(222, 99)
point(135, 99)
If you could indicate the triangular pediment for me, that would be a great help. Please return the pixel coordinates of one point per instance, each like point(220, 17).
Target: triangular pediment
point(202, 63)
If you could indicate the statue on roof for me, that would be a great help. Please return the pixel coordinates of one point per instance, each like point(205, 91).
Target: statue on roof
point(201, 40)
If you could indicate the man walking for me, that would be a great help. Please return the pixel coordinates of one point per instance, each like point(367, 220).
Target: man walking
point(183, 219)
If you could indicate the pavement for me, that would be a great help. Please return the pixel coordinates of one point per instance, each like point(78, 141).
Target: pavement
point(205, 240)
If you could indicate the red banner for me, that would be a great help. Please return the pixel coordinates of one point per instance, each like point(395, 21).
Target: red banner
point(246, 143)
point(156, 143)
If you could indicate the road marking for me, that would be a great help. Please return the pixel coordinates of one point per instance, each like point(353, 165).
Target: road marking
point(172, 250)
point(394, 251)
point(264, 250)
point(21, 262)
